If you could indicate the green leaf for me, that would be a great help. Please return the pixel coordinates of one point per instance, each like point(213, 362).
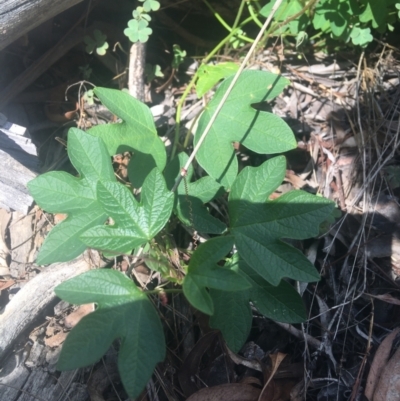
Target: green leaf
point(238, 121)
point(204, 272)
point(191, 207)
point(152, 71)
point(332, 15)
point(123, 312)
point(232, 313)
point(375, 11)
point(59, 192)
point(138, 31)
point(255, 185)
point(99, 43)
point(135, 223)
point(150, 5)
point(361, 36)
point(179, 56)
point(210, 74)
point(136, 133)
point(287, 9)
point(258, 224)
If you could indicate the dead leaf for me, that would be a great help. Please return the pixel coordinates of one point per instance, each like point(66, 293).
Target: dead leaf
point(4, 284)
point(227, 392)
point(56, 340)
point(191, 364)
point(379, 365)
point(269, 390)
point(386, 298)
point(388, 387)
point(73, 318)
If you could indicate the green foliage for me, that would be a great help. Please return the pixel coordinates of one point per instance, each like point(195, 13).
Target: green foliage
point(138, 28)
point(345, 20)
point(203, 272)
point(256, 228)
point(98, 43)
point(232, 313)
point(248, 261)
point(189, 207)
point(138, 31)
point(152, 71)
point(137, 133)
point(59, 192)
point(258, 224)
point(123, 312)
point(150, 5)
point(135, 223)
point(236, 40)
point(238, 121)
point(209, 75)
point(179, 56)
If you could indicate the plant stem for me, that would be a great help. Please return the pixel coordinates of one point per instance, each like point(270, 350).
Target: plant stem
point(227, 93)
point(253, 14)
point(168, 291)
point(293, 17)
point(194, 78)
point(225, 25)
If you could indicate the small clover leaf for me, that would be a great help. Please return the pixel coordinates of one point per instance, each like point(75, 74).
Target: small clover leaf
point(179, 56)
point(139, 14)
point(138, 31)
point(135, 222)
point(361, 36)
point(59, 192)
point(152, 71)
point(88, 97)
point(123, 312)
point(150, 5)
point(98, 43)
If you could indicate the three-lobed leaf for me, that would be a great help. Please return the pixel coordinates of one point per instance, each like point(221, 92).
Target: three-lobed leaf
point(135, 222)
point(238, 121)
point(204, 273)
point(59, 192)
point(189, 207)
point(209, 75)
point(232, 313)
point(258, 225)
point(123, 312)
point(136, 133)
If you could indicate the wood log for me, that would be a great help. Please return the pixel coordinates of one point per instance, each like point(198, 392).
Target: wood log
point(18, 17)
point(23, 309)
point(19, 164)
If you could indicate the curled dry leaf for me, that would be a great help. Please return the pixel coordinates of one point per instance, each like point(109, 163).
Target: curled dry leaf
point(227, 392)
point(378, 368)
point(388, 387)
point(73, 318)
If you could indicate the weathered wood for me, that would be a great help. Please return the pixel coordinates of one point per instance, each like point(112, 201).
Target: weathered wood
point(17, 17)
point(37, 68)
point(35, 296)
point(18, 165)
